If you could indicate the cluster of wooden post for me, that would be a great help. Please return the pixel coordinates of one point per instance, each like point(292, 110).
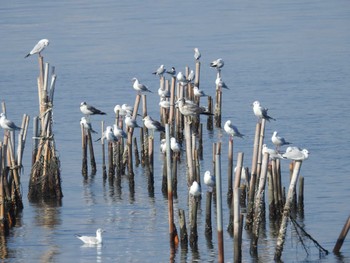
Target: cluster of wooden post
point(45, 180)
point(10, 174)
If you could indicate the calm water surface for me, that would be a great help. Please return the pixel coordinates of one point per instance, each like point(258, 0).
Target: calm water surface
point(293, 56)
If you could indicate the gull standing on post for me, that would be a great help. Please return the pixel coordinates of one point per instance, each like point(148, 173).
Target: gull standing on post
point(209, 180)
point(153, 124)
point(190, 76)
point(197, 54)
point(171, 72)
point(118, 132)
point(108, 134)
point(181, 78)
point(198, 93)
point(130, 122)
point(220, 83)
point(91, 240)
point(164, 103)
point(218, 64)
point(38, 47)
point(90, 110)
point(160, 71)
point(190, 108)
point(272, 152)
point(86, 124)
point(261, 112)
point(232, 130)
point(6, 124)
point(278, 141)
point(174, 145)
point(163, 93)
point(195, 189)
point(294, 153)
point(138, 86)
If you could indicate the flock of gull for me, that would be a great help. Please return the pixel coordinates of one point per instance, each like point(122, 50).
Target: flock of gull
point(186, 108)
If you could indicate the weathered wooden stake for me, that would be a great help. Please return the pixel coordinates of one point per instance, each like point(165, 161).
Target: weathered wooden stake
point(230, 172)
point(342, 236)
point(219, 208)
point(286, 211)
point(84, 169)
point(183, 229)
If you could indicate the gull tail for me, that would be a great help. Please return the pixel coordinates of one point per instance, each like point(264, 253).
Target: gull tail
point(207, 113)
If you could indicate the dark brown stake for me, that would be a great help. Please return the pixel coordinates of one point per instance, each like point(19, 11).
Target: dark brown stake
point(84, 169)
point(92, 155)
point(183, 229)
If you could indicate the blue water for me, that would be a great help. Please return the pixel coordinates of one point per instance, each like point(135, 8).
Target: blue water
point(292, 56)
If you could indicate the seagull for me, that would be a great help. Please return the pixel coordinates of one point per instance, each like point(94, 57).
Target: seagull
point(209, 180)
point(195, 189)
point(89, 110)
point(153, 124)
point(244, 175)
point(181, 78)
point(272, 152)
point(171, 72)
point(138, 86)
point(38, 47)
point(163, 93)
point(218, 64)
point(109, 135)
point(86, 124)
point(174, 145)
point(294, 153)
point(130, 122)
point(164, 103)
point(6, 124)
point(220, 83)
point(123, 110)
point(160, 71)
point(232, 130)
point(163, 146)
point(198, 93)
point(191, 76)
point(278, 141)
point(261, 112)
point(92, 240)
point(190, 108)
point(118, 132)
point(197, 54)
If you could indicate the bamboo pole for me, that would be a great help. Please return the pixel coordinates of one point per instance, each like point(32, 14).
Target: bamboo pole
point(92, 155)
point(237, 233)
point(183, 229)
point(104, 169)
point(172, 231)
point(84, 169)
point(286, 211)
point(261, 142)
point(150, 166)
point(342, 237)
point(230, 172)
point(188, 139)
point(259, 205)
point(208, 225)
point(250, 212)
point(219, 208)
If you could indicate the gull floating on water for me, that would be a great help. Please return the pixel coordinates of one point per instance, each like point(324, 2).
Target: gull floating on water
point(160, 71)
point(6, 124)
point(38, 47)
point(198, 93)
point(273, 154)
point(171, 72)
point(195, 189)
point(278, 141)
point(138, 86)
point(220, 83)
point(218, 64)
point(118, 132)
point(90, 110)
point(296, 154)
point(209, 180)
point(197, 54)
point(153, 124)
point(232, 130)
point(91, 240)
point(261, 112)
point(86, 124)
point(190, 108)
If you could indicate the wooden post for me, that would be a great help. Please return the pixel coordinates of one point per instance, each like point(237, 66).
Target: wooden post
point(342, 236)
point(230, 172)
point(150, 166)
point(84, 169)
point(219, 208)
point(188, 139)
point(259, 205)
point(237, 219)
point(250, 212)
point(261, 142)
point(92, 155)
point(286, 211)
point(183, 229)
point(104, 169)
point(208, 226)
